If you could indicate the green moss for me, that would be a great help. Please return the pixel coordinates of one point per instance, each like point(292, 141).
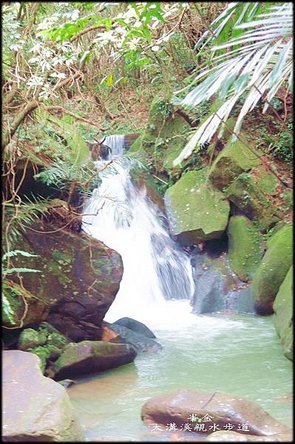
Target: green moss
point(247, 196)
point(233, 160)
point(244, 250)
point(195, 210)
point(30, 338)
point(283, 308)
point(61, 257)
point(272, 270)
point(266, 181)
point(220, 265)
point(58, 340)
point(43, 353)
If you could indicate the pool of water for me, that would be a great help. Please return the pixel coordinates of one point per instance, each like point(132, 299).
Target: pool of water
point(234, 354)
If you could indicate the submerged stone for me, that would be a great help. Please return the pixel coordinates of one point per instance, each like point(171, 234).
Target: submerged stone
point(272, 270)
point(196, 211)
point(283, 309)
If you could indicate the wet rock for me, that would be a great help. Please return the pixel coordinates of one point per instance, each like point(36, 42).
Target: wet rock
point(35, 408)
point(244, 247)
point(78, 280)
point(92, 357)
point(196, 211)
point(208, 412)
point(272, 270)
point(129, 139)
point(136, 326)
point(217, 288)
point(283, 309)
point(140, 342)
point(210, 292)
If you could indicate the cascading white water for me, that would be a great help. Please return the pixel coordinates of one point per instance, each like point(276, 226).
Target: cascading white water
point(157, 281)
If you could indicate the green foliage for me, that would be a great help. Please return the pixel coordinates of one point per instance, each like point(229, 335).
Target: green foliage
point(280, 145)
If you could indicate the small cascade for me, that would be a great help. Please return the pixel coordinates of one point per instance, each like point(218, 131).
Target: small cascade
point(157, 283)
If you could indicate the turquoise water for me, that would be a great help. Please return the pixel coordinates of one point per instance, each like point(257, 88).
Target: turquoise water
point(235, 354)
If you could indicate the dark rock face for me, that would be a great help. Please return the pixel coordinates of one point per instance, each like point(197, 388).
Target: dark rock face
point(92, 357)
point(217, 289)
point(136, 326)
point(78, 280)
point(35, 408)
point(202, 410)
point(140, 342)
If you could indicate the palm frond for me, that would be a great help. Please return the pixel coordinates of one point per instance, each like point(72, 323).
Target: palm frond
point(258, 62)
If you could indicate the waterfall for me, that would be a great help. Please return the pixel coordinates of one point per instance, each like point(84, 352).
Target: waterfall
point(157, 283)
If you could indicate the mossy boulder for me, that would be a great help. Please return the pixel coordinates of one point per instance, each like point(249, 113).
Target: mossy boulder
point(234, 159)
point(245, 192)
point(196, 211)
point(46, 342)
point(272, 270)
point(244, 247)
point(92, 357)
point(78, 280)
point(283, 309)
point(267, 182)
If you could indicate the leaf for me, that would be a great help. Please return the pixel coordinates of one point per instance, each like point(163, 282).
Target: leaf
point(109, 80)
point(18, 252)
point(20, 270)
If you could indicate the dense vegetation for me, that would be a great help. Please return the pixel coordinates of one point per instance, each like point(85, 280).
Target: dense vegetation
point(76, 71)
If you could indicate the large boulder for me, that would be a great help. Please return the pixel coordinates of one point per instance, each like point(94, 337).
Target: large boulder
point(35, 408)
point(77, 282)
point(272, 270)
point(244, 247)
point(283, 309)
point(91, 357)
point(208, 412)
point(234, 159)
point(196, 211)
point(249, 196)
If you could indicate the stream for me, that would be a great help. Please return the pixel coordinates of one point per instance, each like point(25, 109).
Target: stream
point(237, 354)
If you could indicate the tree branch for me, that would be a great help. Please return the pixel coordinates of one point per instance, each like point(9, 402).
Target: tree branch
point(8, 134)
